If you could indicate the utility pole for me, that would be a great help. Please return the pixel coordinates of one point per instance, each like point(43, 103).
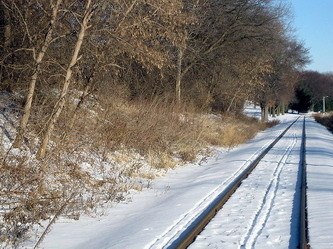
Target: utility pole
point(324, 103)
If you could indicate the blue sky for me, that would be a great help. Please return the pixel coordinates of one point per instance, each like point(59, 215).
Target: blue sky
point(313, 21)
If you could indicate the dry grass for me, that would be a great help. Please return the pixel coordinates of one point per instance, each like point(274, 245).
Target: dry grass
point(33, 191)
point(229, 131)
point(115, 145)
point(325, 119)
point(165, 134)
point(158, 131)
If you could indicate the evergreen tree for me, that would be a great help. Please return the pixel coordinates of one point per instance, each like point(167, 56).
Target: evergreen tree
point(302, 102)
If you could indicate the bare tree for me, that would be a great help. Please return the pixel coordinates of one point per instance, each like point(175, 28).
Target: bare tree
point(34, 77)
point(88, 13)
point(179, 74)
point(219, 27)
point(6, 40)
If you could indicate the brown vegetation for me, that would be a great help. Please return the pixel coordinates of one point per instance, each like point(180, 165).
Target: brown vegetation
point(104, 155)
point(103, 87)
point(325, 119)
point(312, 89)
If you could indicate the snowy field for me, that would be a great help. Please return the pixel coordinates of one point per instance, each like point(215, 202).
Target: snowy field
point(155, 216)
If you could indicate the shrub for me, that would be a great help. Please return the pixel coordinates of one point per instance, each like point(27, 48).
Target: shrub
point(325, 119)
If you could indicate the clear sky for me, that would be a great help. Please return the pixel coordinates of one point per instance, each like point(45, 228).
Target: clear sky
point(313, 21)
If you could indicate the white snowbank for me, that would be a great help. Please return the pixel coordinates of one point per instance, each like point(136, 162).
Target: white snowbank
point(319, 159)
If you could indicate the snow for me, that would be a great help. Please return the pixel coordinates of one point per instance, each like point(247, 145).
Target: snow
point(157, 215)
point(261, 214)
point(319, 159)
point(252, 110)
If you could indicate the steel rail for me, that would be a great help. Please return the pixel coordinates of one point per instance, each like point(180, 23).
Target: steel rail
point(195, 228)
point(303, 219)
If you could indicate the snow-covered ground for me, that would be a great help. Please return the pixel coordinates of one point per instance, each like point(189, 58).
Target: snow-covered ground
point(252, 110)
point(319, 160)
point(158, 214)
point(263, 212)
point(155, 216)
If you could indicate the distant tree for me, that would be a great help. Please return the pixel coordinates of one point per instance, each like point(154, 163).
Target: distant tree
point(221, 34)
point(302, 102)
point(317, 85)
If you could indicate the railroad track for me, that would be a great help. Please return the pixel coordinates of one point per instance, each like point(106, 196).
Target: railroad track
point(188, 235)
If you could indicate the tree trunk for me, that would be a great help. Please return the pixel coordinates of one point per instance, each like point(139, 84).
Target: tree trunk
point(62, 99)
point(273, 112)
point(6, 42)
point(82, 98)
point(34, 77)
point(6, 29)
point(278, 110)
point(283, 110)
point(264, 113)
point(179, 75)
point(231, 102)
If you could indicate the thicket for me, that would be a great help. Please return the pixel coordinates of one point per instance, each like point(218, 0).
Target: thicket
point(312, 90)
point(95, 83)
point(325, 119)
